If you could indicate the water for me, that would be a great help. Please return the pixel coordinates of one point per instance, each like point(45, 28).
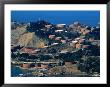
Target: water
point(19, 72)
point(15, 71)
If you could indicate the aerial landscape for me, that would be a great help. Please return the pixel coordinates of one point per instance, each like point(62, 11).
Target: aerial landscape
point(55, 44)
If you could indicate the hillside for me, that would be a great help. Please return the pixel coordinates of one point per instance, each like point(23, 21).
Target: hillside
point(20, 36)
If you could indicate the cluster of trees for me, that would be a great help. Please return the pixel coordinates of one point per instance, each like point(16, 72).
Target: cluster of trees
point(71, 56)
point(94, 34)
point(90, 64)
point(26, 56)
point(34, 26)
point(92, 51)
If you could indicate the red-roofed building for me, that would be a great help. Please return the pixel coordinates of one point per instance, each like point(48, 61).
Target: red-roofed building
point(58, 38)
point(63, 41)
point(26, 65)
point(44, 66)
point(51, 36)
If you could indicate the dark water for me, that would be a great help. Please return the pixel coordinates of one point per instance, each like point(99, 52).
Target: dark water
point(15, 71)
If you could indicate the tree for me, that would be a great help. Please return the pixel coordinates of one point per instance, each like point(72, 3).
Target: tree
point(90, 64)
point(53, 50)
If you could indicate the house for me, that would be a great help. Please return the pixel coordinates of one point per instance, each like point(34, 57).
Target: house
point(63, 41)
point(76, 25)
point(63, 51)
point(82, 29)
point(96, 42)
point(67, 63)
point(92, 28)
point(51, 36)
point(71, 26)
point(79, 27)
point(58, 38)
point(81, 40)
point(58, 31)
point(38, 65)
point(26, 65)
point(46, 46)
point(44, 65)
point(60, 25)
point(66, 38)
point(91, 39)
point(85, 46)
point(86, 32)
point(78, 46)
point(73, 45)
point(34, 52)
point(74, 42)
point(76, 39)
point(54, 44)
point(48, 26)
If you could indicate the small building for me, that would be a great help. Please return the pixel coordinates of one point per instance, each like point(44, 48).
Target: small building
point(44, 65)
point(58, 38)
point(63, 41)
point(96, 42)
point(73, 45)
point(38, 65)
point(92, 28)
point(91, 39)
point(81, 40)
point(69, 39)
point(51, 36)
point(63, 51)
point(79, 27)
point(67, 63)
point(46, 46)
point(85, 46)
point(76, 39)
point(86, 32)
point(48, 26)
point(74, 42)
point(66, 38)
point(34, 52)
point(60, 25)
point(97, 27)
point(82, 29)
point(59, 31)
point(26, 65)
point(54, 44)
point(78, 45)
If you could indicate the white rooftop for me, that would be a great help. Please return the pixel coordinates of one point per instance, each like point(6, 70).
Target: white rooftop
point(74, 41)
point(61, 24)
